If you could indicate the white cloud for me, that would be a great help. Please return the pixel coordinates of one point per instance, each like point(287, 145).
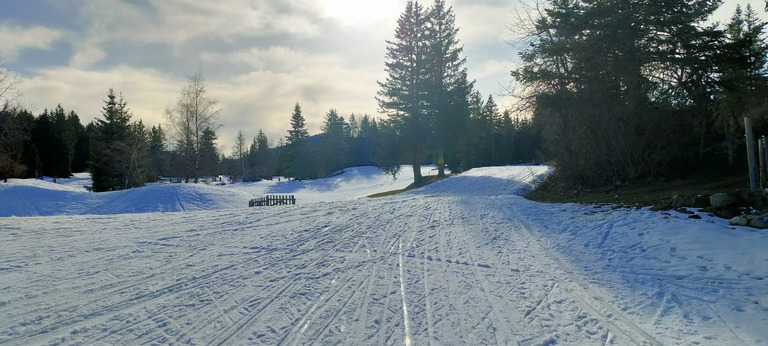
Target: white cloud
point(264, 97)
point(14, 39)
point(356, 12)
point(146, 91)
point(86, 56)
point(481, 23)
point(177, 21)
point(259, 99)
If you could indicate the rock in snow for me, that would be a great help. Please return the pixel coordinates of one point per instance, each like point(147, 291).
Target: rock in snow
point(739, 221)
point(721, 200)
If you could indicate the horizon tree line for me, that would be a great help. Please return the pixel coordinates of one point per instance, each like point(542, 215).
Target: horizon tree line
point(432, 114)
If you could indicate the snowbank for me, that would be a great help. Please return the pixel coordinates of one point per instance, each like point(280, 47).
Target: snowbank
point(31, 197)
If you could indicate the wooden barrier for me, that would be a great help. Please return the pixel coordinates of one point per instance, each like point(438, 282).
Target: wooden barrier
point(271, 200)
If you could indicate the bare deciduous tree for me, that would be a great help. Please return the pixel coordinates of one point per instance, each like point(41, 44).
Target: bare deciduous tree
point(8, 86)
point(240, 150)
point(194, 112)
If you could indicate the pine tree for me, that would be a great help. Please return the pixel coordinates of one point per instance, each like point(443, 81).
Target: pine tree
point(297, 156)
point(158, 150)
point(55, 137)
point(490, 119)
point(604, 81)
point(119, 154)
point(743, 79)
point(367, 141)
point(208, 161)
point(448, 87)
point(402, 96)
point(334, 149)
point(81, 153)
point(262, 156)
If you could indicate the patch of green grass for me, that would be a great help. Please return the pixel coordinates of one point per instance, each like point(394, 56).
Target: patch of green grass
point(386, 193)
point(424, 182)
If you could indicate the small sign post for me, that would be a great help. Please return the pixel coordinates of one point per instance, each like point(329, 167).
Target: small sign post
point(751, 160)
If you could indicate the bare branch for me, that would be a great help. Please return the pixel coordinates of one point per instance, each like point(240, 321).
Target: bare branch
point(9, 81)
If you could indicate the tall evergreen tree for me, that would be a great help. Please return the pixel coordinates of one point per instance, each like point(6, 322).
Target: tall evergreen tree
point(367, 141)
point(601, 74)
point(158, 150)
point(119, 157)
point(490, 117)
point(334, 149)
point(297, 155)
point(209, 160)
point(81, 151)
point(743, 81)
point(263, 164)
point(55, 136)
point(448, 87)
point(402, 96)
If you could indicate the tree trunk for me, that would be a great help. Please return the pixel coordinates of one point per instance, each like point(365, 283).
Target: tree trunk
point(417, 178)
point(729, 144)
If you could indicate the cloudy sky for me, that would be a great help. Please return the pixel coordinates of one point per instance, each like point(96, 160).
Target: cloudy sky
point(259, 57)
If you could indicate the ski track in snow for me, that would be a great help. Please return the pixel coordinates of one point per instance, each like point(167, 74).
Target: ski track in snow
point(462, 261)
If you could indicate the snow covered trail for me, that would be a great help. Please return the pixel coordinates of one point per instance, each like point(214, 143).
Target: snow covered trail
point(462, 261)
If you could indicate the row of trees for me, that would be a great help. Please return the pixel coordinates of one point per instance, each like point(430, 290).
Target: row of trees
point(433, 112)
point(433, 115)
point(632, 89)
point(54, 143)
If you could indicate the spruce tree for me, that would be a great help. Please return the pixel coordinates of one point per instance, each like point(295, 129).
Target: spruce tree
point(604, 80)
point(743, 79)
point(448, 87)
point(334, 149)
point(402, 96)
point(118, 148)
point(297, 155)
point(263, 164)
point(158, 150)
point(209, 161)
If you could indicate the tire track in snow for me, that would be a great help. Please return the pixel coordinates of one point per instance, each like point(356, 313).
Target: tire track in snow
point(335, 315)
point(406, 322)
point(314, 256)
point(233, 330)
point(103, 310)
point(451, 281)
point(500, 322)
point(385, 308)
point(541, 301)
point(588, 297)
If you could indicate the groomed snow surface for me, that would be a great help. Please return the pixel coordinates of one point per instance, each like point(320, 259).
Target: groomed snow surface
point(465, 260)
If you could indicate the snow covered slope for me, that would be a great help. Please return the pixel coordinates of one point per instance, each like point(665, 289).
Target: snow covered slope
point(30, 197)
point(462, 261)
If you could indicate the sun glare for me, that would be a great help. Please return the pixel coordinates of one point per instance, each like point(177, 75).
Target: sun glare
point(359, 12)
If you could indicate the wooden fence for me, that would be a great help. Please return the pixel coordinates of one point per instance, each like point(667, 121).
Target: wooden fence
point(272, 200)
